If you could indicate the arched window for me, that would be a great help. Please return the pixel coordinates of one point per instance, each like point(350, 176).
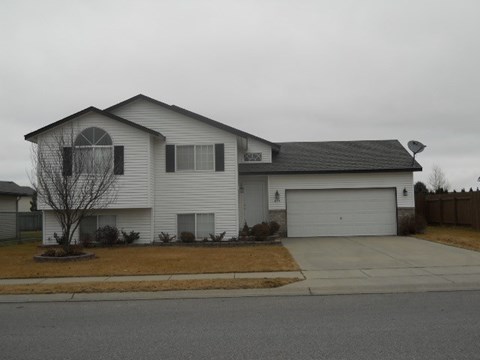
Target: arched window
point(93, 151)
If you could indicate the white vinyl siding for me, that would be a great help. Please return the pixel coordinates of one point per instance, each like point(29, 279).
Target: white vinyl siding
point(186, 192)
point(24, 204)
point(133, 186)
point(138, 220)
point(8, 203)
point(255, 146)
point(8, 216)
point(106, 220)
point(399, 181)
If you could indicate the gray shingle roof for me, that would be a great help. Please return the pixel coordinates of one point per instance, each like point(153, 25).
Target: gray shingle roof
point(10, 188)
point(336, 157)
point(31, 136)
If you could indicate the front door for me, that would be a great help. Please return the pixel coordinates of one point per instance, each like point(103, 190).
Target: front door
point(255, 202)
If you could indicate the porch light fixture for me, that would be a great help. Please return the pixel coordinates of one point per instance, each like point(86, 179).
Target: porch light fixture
point(277, 196)
point(405, 192)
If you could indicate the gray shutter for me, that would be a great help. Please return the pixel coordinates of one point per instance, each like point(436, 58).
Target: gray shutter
point(118, 160)
point(170, 158)
point(67, 161)
point(219, 157)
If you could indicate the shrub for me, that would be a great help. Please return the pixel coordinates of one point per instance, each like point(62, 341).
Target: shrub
point(130, 237)
point(61, 240)
point(406, 225)
point(107, 235)
point(166, 237)
point(217, 238)
point(245, 231)
point(187, 237)
point(73, 250)
point(274, 227)
point(261, 231)
point(86, 240)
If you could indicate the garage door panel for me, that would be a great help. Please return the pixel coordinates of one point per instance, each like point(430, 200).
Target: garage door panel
point(341, 212)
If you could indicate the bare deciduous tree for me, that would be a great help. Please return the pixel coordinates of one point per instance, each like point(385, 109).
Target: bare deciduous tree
point(438, 180)
point(73, 180)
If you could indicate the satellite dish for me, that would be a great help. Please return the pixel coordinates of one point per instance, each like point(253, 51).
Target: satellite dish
point(415, 147)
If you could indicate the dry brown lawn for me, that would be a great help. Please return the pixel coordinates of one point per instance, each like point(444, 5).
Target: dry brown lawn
point(463, 237)
point(16, 261)
point(134, 286)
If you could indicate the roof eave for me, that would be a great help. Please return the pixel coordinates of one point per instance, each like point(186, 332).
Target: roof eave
point(180, 110)
point(327, 171)
point(33, 135)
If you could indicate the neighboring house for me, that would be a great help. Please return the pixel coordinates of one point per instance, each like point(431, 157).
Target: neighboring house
point(10, 196)
point(185, 172)
point(24, 204)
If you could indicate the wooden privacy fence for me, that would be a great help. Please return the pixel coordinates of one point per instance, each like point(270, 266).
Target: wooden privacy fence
point(450, 209)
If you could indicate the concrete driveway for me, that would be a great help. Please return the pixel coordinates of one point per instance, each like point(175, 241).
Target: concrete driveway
point(382, 264)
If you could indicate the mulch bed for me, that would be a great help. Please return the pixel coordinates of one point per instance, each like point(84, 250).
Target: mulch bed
point(80, 257)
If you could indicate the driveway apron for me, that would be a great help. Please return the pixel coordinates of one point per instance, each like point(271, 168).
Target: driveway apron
point(382, 263)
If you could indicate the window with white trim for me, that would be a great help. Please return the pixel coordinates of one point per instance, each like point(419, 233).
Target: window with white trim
point(90, 224)
point(93, 151)
point(195, 157)
point(201, 225)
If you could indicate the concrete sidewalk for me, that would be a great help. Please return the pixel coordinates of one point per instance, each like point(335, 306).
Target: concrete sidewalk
point(322, 282)
point(390, 280)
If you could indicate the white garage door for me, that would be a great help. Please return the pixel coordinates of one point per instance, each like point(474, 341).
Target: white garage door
point(341, 212)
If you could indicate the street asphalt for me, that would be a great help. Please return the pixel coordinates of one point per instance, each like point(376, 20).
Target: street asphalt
point(440, 326)
point(345, 265)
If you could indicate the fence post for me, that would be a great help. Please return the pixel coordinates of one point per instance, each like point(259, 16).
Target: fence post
point(455, 210)
point(475, 199)
point(440, 201)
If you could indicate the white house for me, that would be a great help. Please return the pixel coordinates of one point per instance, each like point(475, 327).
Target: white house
point(181, 171)
point(11, 196)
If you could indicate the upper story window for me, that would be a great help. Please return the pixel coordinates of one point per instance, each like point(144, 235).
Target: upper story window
point(93, 151)
point(195, 157)
point(252, 156)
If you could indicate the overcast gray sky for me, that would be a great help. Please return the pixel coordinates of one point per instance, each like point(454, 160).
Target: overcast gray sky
point(282, 70)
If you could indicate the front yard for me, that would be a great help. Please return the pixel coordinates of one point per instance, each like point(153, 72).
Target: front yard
point(16, 262)
point(463, 237)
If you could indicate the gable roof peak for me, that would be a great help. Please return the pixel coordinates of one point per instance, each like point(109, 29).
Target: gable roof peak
point(195, 116)
point(31, 136)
